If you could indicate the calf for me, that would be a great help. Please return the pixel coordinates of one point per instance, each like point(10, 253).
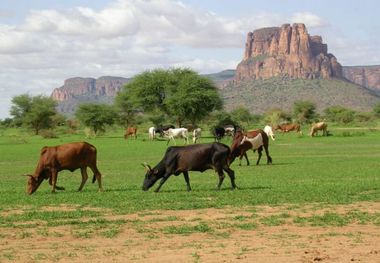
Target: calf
point(70, 157)
point(130, 131)
point(195, 157)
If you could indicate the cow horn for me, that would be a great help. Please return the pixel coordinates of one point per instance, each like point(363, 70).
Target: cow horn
point(147, 166)
point(27, 175)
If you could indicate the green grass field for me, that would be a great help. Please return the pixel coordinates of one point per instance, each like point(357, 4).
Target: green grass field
point(330, 184)
point(343, 168)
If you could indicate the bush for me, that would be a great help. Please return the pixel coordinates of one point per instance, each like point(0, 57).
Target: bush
point(48, 134)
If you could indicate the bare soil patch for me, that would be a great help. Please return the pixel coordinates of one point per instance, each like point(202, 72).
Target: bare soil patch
point(249, 234)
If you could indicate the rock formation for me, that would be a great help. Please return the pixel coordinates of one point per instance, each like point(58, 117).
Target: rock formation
point(365, 76)
point(286, 51)
point(76, 87)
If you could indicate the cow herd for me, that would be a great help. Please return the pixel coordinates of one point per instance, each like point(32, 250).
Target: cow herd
point(176, 160)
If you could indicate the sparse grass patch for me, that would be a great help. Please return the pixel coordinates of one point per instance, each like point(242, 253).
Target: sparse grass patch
point(187, 229)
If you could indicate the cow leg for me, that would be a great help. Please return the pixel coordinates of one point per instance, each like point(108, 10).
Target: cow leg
point(56, 186)
point(83, 171)
point(269, 159)
point(231, 174)
point(246, 158)
point(259, 151)
point(163, 180)
point(186, 175)
point(97, 177)
point(221, 178)
point(54, 175)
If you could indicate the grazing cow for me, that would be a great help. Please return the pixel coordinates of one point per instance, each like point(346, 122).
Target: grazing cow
point(197, 134)
point(268, 130)
point(219, 133)
point(320, 126)
point(289, 127)
point(70, 156)
point(130, 131)
point(259, 141)
point(162, 129)
point(195, 157)
point(177, 133)
point(152, 133)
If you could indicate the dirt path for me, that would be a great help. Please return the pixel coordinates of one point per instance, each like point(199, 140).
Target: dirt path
point(249, 234)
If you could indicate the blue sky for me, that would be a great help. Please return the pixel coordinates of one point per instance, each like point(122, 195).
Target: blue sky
point(44, 42)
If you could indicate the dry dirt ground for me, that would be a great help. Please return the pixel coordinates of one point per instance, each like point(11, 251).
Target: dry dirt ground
point(248, 234)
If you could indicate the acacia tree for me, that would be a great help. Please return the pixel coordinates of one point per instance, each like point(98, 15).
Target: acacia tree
point(35, 112)
point(304, 111)
point(179, 93)
point(96, 116)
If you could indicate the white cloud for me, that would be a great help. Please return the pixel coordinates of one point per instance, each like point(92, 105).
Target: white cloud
point(125, 38)
point(309, 19)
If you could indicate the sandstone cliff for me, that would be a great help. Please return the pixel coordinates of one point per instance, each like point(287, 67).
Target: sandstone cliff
point(286, 51)
point(365, 76)
point(103, 86)
point(78, 90)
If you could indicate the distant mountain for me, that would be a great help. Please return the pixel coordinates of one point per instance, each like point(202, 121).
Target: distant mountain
point(280, 65)
point(280, 92)
point(365, 76)
point(79, 90)
point(286, 51)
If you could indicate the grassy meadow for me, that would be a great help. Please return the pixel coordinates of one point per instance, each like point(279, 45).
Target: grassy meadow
point(330, 184)
point(343, 168)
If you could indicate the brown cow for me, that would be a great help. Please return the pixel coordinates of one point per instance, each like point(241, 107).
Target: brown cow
point(239, 148)
point(130, 131)
point(288, 127)
point(320, 126)
point(70, 156)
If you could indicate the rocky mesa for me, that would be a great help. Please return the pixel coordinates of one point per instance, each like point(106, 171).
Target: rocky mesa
point(76, 87)
point(286, 51)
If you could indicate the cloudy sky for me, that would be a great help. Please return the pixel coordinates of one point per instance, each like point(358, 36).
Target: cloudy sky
point(44, 42)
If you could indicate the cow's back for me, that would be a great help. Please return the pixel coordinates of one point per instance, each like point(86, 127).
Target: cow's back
point(196, 157)
point(72, 156)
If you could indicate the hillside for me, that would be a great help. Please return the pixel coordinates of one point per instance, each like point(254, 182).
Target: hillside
point(262, 95)
point(365, 76)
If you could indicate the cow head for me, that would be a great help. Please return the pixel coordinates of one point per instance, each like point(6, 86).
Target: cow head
point(151, 177)
point(33, 183)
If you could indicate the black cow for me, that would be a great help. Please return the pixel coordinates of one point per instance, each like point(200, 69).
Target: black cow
point(161, 129)
point(195, 157)
point(219, 133)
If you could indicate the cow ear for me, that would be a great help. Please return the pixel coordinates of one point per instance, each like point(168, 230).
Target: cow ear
point(155, 171)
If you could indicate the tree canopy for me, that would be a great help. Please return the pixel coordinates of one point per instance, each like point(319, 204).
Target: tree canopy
point(179, 93)
point(96, 116)
point(33, 112)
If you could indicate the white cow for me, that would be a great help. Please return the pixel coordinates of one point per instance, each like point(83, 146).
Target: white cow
point(152, 133)
point(177, 133)
point(268, 130)
point(197, 134)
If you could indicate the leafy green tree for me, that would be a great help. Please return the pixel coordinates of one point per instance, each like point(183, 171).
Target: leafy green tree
point(339, 114)
point(96, 116)
point(179, 93)
point(276, 116)
point(304, 111)
point(34, 112)
point(126, 109)
point(243, 116)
